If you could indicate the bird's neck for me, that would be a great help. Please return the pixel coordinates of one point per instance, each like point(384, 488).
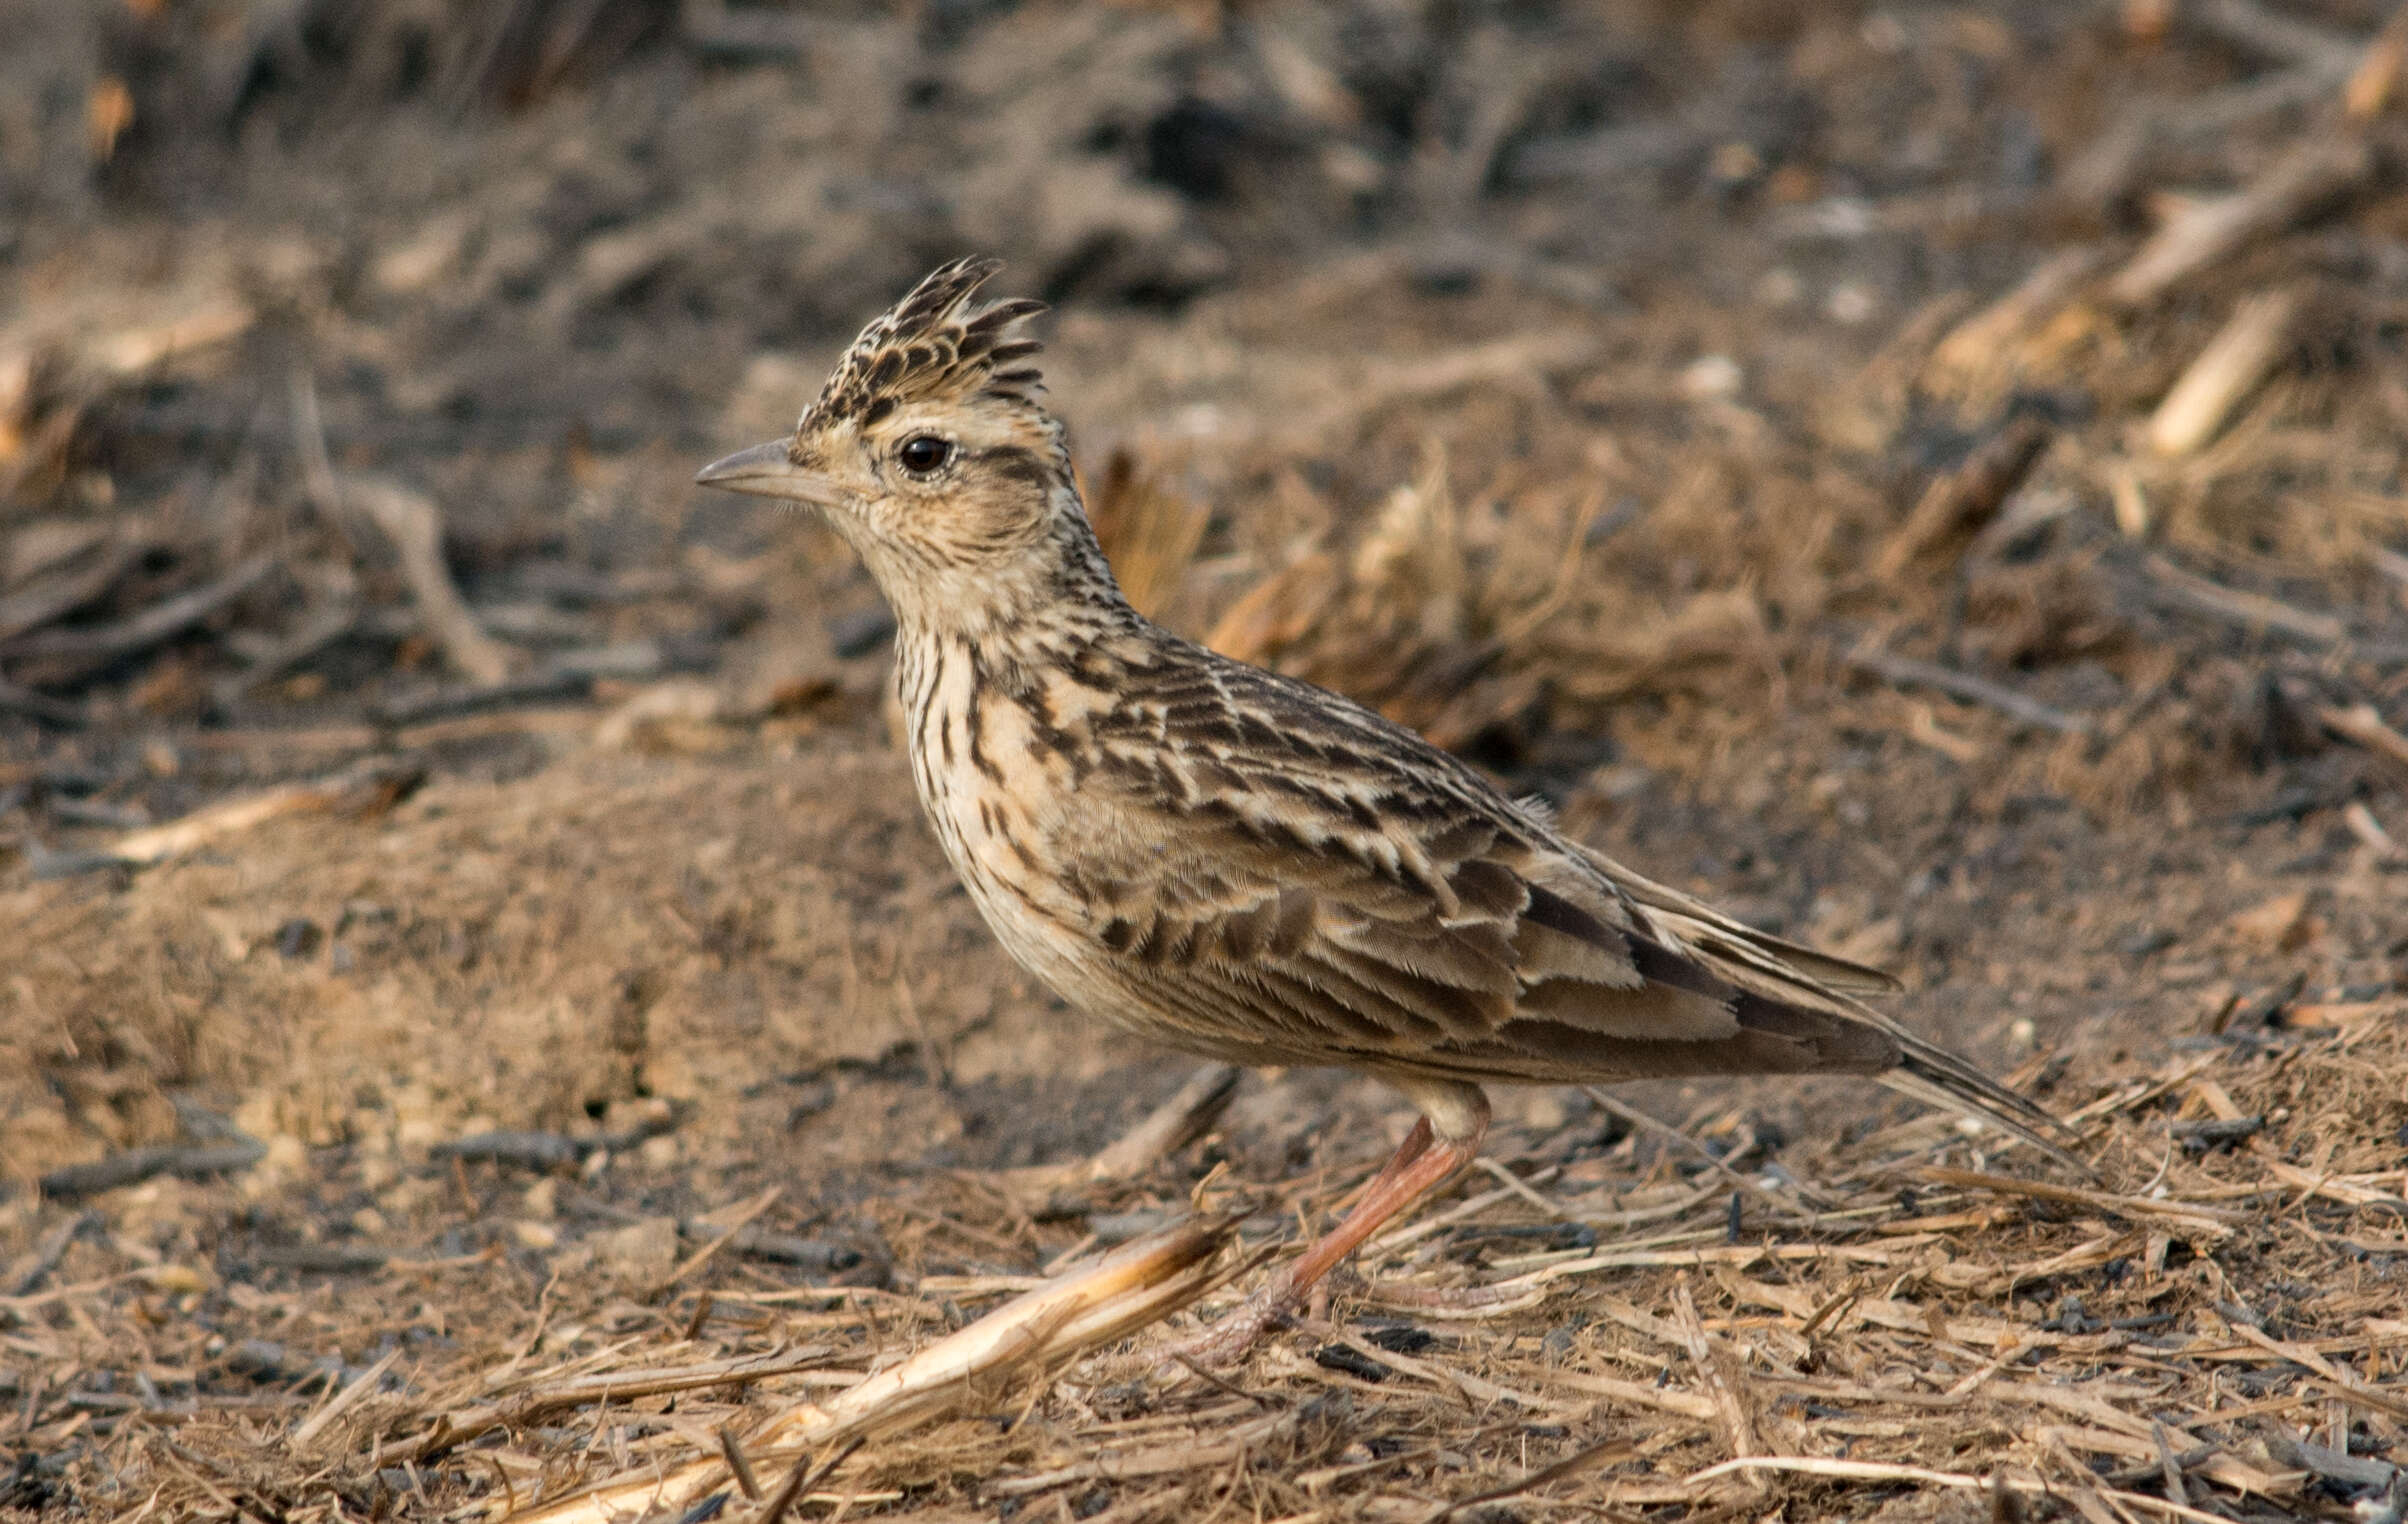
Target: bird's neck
point(1020, 615)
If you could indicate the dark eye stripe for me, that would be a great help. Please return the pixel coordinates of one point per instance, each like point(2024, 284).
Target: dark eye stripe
point(1016, 464)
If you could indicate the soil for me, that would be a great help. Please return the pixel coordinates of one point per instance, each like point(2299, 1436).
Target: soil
point(1562, 380)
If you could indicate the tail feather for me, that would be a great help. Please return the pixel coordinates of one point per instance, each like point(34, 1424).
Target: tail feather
point(1940, 1079)
point(1779, 953)
point(1784, 975)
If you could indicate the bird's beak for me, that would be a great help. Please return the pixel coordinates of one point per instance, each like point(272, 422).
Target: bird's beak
point(768, 471)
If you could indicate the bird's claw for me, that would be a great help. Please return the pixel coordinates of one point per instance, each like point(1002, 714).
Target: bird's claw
point(1230, 1340)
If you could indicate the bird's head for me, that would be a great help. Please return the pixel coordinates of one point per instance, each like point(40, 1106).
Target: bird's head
point(929, 452)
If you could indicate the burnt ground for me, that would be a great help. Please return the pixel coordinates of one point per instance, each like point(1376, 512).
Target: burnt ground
point(1927, 477)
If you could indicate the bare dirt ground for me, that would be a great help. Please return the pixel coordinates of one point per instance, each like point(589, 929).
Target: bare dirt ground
point(481, 1020)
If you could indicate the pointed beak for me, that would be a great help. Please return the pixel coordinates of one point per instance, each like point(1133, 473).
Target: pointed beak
point(768, 471)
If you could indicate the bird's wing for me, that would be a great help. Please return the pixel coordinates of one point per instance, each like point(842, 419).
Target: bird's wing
point(1352, 927)
point(1711, 926)
point(1352, 893)
point(1352, 896)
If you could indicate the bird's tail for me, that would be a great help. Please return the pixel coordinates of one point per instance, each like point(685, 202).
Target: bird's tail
point(1937, 1077)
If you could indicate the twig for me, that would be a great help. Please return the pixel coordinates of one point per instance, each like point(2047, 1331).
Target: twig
point(214, 320)
point(738, 1467)
point(2362, 724)
point(138, 1164)
point(809, 1254)
point(2278, 36)
point(1217, 1381)
point(59, 714)
point(2363, 825)
point(569, 675)
point(2332, 1465)
point(1849, 1470)
point(2323, 167)
point(342, 1402)
point(46, 1255)
point(802, 1478)
point(2337, 1380)
point(1908, 671)
point(1672, 1134)
point(549, 1150)
point(60, 593)
point(702, 1256)
point(1739, 1426)
point(1090, 1304)
point(46, 448)
point(2168, 1465)
point(1052, 1192)
point(2200, 1137)
point(1974, 345)
point(1157, 1460)
point(2174, 587)
point(326, 1259)
point(318, 629)
point(2219, 1220)
point(1515, 1186)
point(309, 442)
point(1604, 1453)
point(2106, 171)
point(1954, 507)
point(415, 526)
point(64, 654)
point(1169, 1127)
point(453, 1429)
point(366, 790)
point(2243, 352)
point(2377, 76)
point(1638, 1394)
point(1865, 1471)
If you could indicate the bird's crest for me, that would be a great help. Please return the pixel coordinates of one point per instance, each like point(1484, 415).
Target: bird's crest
point(933, 344)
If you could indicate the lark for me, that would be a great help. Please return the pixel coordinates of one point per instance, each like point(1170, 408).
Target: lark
point(1241, 865)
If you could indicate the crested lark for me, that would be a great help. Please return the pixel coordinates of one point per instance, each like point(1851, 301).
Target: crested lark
point(1242, 865)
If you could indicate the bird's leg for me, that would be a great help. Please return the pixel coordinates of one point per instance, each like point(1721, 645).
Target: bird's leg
point(1429, 1156)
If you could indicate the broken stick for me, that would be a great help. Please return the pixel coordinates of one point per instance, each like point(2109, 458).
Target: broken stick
point(415, 526)
point(1954, 507)
point(2242, 354)
point(1093, 1303)
point(2312, 175)
point(369, 789)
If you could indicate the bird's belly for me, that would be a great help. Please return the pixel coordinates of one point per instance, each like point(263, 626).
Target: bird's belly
point(1021, 835)
point(1007, 861)
point(1051, 951)
point(989, 830)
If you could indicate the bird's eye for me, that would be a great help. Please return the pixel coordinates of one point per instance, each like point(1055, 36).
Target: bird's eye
point(924, 454)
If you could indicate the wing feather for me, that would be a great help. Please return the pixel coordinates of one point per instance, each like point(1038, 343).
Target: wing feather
point(1348, 894)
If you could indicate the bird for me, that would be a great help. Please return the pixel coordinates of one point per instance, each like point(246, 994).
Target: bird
point(1239, 864)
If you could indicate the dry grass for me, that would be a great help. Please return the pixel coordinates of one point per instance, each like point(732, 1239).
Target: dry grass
point(2207, 1335)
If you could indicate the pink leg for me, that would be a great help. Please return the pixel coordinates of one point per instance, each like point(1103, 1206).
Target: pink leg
point(1420, 1165)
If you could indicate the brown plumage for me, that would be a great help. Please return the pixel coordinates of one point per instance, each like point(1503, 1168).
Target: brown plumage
point(1242, 865)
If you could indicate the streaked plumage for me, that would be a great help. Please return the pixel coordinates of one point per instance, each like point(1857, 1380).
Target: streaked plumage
point(1239, 864)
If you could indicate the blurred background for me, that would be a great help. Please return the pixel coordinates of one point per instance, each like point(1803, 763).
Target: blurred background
point(1927, 475)
point(1370, 315)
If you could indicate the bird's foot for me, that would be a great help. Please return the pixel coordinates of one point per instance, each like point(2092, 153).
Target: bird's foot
point(1233, 1338)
